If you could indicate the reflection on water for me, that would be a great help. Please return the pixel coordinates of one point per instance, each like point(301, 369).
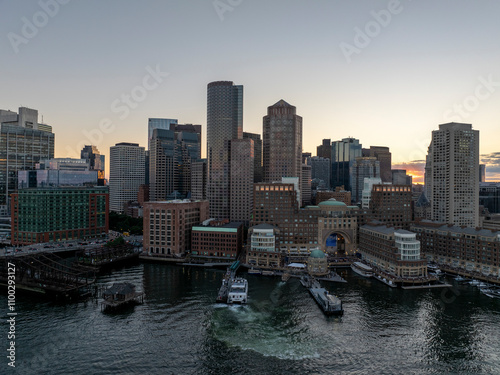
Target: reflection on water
point(180, 330)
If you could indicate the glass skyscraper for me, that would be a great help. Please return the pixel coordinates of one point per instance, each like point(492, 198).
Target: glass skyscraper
point(344, 153)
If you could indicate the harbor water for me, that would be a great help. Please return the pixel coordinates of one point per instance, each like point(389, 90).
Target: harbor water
point(179, 329)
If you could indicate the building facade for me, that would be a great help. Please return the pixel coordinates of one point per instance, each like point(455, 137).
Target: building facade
point(97, 162)
point(321, 169)
point(168, 224)
point(258, 172)
point(343, 155)
point(391, 205)
point(457, 248)
point(199, 173)
point(305, 185)
point(452, 175)
point(221, 242)
point(264, 250)
point(395, 252)
point(383, 155)
point(340, 194)
point(241, 180)
point(126, 164)
point(363, 167)
point(224, 123)
point(58, 214)
point(489, 196)
point(325, 149)
point(282, 142)
point(399, 177)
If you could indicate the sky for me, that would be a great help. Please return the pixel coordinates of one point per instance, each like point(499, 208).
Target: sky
point(385, 72)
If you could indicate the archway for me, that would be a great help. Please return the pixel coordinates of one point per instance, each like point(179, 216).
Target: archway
point(335, 244)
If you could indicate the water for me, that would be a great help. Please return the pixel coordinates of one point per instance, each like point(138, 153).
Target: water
point(180, 330)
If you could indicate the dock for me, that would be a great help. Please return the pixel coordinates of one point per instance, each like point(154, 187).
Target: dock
point(226, 282)
point(121, 295)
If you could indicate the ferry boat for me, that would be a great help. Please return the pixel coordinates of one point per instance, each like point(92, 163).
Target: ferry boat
point(330, 304)
point(238, 291)
point(362, 269)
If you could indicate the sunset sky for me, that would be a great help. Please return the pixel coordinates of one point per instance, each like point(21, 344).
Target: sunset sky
point(385, 72)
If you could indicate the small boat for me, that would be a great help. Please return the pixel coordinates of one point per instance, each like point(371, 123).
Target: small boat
point(253, 271)
point(459, 278)
point(238, 291)
point(474, 282)
point(432, 268)
point(492, 292)
point(362, 269)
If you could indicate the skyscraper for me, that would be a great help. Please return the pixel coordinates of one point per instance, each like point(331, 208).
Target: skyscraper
point(452, 174)
point(241, 180)
point(362, 168)
point(384, 157)
point(224, 123)
point(325, 149)
point(257, 146)
point(126, 174)
point(282, 142)
point(96, 161)
point(343, 155)
point(23, 143)
point(321, 169)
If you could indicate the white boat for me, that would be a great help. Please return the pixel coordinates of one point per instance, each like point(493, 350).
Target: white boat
point(433, 268)
point(362, 269)
point(492, 291)
point(459, 278)
point(474, 282)
point(238, 291)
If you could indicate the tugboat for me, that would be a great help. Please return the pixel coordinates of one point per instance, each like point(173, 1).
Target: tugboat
point(330, 304)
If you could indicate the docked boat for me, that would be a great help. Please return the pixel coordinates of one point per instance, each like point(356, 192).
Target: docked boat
point(492, 291)
point(459, 278)
point(362, 269)
point(432, 268)
point(330, 304)
point(254, 271)
point(238, 291)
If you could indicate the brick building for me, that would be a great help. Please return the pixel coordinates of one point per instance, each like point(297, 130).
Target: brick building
point(224, 241)
point(391, 205)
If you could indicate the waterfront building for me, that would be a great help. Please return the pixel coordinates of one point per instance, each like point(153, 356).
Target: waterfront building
point(282, 142)
point(317, 263)
point(241, 179)
point(263, 250)
point(217, 241)
point(321, 169)
point(97, 162)
point(399, 177)
point(257, 146)
point(331, 226)
point(199, 173)
point(343, 155)
point(23, 143)
point(126, 164)
point(466, 249)
point(50, 214)
point(325, 149)
point(224, 123)
point(391, 205)
point(167, 226)
point(396, 252)
point(452, 175)
point(340, 194)
point(383, 155)
point(305, 185)
point(489, 196)
point(363, 167)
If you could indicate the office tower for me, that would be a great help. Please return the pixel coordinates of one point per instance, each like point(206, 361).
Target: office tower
point(363, 167)
point(305, 185)
point(366, 194)
point(399, 177)
point(321, 169)
point(325, 149)
point(59, 172)
point(257, 146)
point(167, 226)
point(343, 155)
point(23, 143)
point(452, 174)
point(160, 123)
point(489, 196)
point(224, 123)
point(282, 142)
point(56, 214)
point(126, 173)
point(383, 155)
point(241, 180)
point(306, 157)
point(96, 161)
point(162, 158)
point(199, 173)
point(482, 172)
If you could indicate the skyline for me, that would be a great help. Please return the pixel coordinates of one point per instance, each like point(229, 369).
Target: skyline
point(392, 87)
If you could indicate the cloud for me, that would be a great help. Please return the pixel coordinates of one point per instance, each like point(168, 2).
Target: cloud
point(414, 168)
point(491, 159)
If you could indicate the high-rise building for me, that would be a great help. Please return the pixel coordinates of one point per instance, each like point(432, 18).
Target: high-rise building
point(224, 123)
point(321, 169)
point(282, 142)
point(96, 161)
point(199, 179)
point(126, 173)
point(399, 177)
point(23, 143)
point(489, 196)
point(482, 172)
point(241, 180)
point(383, 155)
point(325, 149)
point(160, 123)
point(366, 194)
point(305, 184)
point(343, 155)
point(363, 167)
point(391, 205)
point(59, 213)
point(452, 175)
point(257, 146)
